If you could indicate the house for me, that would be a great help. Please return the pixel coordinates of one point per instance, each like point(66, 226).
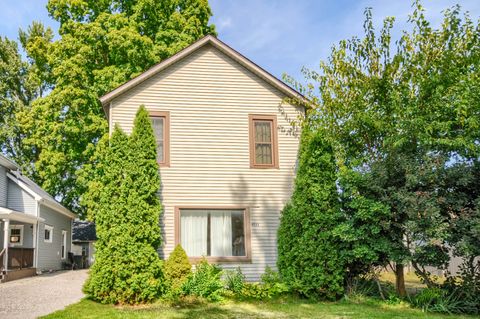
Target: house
point(35, 230)
point(227, 151)
point(83, 240)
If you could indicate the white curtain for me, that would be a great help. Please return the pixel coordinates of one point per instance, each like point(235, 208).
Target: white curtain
point(194, 232)
point(221, 233)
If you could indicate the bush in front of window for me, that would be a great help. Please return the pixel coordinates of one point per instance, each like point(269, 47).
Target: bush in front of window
point(234, 281)
point(177, 269)
point(205, 282)
point(270, 286)
point(127, 268)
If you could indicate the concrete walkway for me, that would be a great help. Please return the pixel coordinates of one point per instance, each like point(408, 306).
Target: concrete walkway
point(37, 296)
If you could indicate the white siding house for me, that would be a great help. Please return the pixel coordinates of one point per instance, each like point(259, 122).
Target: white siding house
point(228, 151)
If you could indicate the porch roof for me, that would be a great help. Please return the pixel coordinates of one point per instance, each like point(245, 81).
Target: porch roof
point(10, 214)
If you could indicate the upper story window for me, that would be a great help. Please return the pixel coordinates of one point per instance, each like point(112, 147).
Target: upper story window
point(263, 141)
point(161, 129)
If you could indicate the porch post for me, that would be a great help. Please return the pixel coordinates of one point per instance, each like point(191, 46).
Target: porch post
point(6, 225)
point(34, 245)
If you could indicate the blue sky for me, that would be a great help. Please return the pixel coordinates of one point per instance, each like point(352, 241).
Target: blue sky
point(282, 36)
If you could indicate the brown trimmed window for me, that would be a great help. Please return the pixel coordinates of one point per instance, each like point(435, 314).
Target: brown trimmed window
point(263, 141)
point(220, 235)
point(161, 129)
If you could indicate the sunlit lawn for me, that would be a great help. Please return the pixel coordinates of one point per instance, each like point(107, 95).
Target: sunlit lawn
point(285, 307)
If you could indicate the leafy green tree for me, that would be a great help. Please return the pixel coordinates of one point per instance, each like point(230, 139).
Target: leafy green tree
point(397, 116)
point(127, 267)
point(21, 82)
point(102, 44)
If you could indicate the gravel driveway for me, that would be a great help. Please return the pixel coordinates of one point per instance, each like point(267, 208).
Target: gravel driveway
point(41, 295)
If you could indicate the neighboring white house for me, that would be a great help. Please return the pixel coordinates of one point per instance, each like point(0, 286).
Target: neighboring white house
point(35, 230)
point(227, 151)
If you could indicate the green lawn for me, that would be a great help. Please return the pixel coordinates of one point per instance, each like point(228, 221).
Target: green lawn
point(279, 308)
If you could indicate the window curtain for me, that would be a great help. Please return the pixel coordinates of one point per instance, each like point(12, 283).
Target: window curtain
point(221, 233)
point(194, 233)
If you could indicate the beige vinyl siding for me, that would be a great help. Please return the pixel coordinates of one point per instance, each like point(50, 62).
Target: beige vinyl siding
point(209, 97)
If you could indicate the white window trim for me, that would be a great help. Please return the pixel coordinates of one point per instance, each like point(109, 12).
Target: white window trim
point(13, 226)
point(50, 228)
point(64, 243)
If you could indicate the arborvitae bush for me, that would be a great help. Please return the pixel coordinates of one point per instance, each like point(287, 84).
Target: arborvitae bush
point(177, 269)
point(127, 268)
point(308, 257)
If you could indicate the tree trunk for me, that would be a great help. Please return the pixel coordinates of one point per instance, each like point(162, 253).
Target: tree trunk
point(400, 280)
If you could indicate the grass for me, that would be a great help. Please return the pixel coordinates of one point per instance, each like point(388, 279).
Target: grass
point(281, 308)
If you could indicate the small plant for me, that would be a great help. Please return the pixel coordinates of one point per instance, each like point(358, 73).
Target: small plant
point(270, 286)
point(176, 270)
point(205, 282)
point(234, 280)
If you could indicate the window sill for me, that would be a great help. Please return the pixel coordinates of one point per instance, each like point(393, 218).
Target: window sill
point(233, 259)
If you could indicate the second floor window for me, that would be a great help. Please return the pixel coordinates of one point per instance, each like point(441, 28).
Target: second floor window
point(263, 141)
point(161, 124)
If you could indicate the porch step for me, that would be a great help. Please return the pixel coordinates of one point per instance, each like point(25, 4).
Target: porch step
point(15, 274)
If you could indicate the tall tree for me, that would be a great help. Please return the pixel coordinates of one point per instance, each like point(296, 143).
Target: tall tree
point(127, 267)
point(307, 245)
point(102, 44)
point(399, 115)
point(21, 82)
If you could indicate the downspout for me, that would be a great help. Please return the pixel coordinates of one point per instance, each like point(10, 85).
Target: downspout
point(37, 236)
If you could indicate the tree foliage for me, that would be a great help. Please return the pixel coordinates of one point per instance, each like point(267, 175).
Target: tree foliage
point(403, 119)
point(102, 44)
point(307, 244)
point(127, 268)
point(177, 269)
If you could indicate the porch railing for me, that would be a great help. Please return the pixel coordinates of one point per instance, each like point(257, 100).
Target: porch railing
point(19, 258)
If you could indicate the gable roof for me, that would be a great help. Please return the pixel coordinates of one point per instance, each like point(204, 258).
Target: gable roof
point(83, 231)
point(38, 193)
point(209, 39)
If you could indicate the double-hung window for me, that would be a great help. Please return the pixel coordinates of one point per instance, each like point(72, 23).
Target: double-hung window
point(16, 235)
point(161, 130)
point(263, 141)
point(48, 234)
point(217, 234)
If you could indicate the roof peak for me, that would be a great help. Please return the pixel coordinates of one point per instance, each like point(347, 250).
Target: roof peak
point(223, 47)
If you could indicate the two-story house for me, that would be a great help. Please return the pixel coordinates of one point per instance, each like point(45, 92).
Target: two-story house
point(227, 151)
point(35, 230)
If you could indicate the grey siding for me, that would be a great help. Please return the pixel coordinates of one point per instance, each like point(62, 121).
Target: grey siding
point(3, 186)
point(49, 254)
point(20, 200)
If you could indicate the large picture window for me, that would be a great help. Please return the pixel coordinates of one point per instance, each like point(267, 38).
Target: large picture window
point(218, 234)
point(263, 141)
point(161, 130)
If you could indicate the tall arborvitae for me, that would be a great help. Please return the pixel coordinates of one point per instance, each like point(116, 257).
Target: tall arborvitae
point(308, 260)
point(127, 268)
